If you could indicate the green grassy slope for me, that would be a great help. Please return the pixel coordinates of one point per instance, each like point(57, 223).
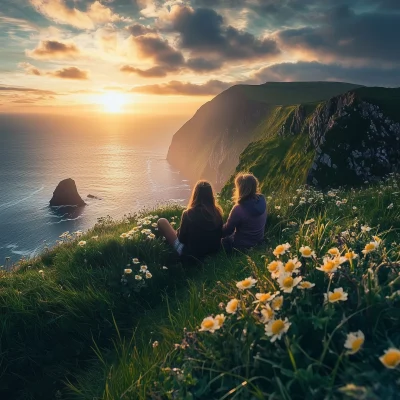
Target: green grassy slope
point(59, 314)
point(208, 146)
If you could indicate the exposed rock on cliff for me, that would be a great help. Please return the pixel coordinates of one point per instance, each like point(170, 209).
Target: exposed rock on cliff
point(66, 194)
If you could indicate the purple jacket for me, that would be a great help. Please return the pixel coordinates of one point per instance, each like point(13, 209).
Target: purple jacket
point(246, 222)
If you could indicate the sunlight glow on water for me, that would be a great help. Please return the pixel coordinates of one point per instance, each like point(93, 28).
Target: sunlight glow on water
point(127, 171)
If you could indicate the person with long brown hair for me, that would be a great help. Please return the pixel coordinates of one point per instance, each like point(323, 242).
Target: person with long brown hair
point(200, 231)
point(246, 222)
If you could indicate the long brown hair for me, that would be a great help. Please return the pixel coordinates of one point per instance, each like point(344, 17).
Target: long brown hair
point(203, 196)
point(246, 187)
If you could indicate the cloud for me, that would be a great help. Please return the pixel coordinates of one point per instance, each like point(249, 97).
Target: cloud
point(58, 11)
point(5, 88)
point(108, 39)
point(63, 73)
point(154, 72)
point(30, 69)
point(343, 34)
point(53, 49)
point(154, 48)
point(315, 71)
point(139, 30)
point(200, 64)
point(157, 49)
point(70, 73)
point(209, 88)
point(202, 31)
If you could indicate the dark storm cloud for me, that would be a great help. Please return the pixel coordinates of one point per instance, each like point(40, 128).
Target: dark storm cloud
point(200, 64)
point(315, 71)
point(184, 88)
point(159, 50)
point(345, 34)
point(202, 30)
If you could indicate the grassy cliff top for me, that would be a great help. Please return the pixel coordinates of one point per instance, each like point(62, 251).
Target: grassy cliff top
point(113, 314)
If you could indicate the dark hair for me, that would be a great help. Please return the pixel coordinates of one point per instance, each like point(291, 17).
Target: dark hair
point(246, 187)
point(203, 196)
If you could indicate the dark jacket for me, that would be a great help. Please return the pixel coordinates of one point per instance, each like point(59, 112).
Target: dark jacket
point(246, 222)
point(199, 232)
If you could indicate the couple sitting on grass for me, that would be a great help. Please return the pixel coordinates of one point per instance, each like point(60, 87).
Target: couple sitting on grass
point(202, 229)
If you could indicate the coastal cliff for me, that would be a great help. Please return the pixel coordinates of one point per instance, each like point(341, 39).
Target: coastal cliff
point(209, 145)
point(292, 133)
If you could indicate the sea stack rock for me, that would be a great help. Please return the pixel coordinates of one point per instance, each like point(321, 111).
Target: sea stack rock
point(66, 194)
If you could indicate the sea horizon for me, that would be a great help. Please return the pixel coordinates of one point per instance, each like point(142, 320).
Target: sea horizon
point(126, 172)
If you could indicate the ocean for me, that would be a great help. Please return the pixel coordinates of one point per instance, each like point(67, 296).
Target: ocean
point(119, 159)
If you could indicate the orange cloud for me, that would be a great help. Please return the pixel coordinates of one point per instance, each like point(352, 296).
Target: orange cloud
point(70, 73)
point(53, 49)
point(58, 11)
point(63, 73)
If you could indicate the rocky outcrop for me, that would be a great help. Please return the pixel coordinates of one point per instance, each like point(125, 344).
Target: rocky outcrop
point(355, 142)
point(66, 194)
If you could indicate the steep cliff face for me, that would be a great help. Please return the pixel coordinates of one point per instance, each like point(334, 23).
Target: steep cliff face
point(209, 145)
point(346, 140)
point(356, 142)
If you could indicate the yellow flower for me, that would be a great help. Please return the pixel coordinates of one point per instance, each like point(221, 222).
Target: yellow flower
point(82, 243)
point(306, 285)
point(335, 296)
point(292, 266)
point(350, 255)
point(220, 318)
point(391, 358)
point(306, 252)
point(267, 313)
point(377, 239)
point(277, 303)
point(281, 249)
point(334, 251)
point(287, 282)
point(371, 246)
point(148, 275)
point(354, 341)
point(135, 260)
point(124, 235)
point(209, 324)
point(246, 283)
point(329, 266)
point(127, 271)
point(274, 268)
point(276, 328)
point(138, 277)
point(264, 297)
point(95, 237)
point(151, 236)
point(232, 306)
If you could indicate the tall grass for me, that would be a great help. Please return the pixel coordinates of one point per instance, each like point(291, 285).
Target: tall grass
point(84, 328)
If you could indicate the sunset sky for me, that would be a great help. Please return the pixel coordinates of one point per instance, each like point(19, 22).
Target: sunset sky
point(156, 56)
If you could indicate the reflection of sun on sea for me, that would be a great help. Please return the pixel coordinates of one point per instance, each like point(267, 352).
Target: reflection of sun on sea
point(113, 102)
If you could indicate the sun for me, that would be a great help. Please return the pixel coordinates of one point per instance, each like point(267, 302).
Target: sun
point(113, 102)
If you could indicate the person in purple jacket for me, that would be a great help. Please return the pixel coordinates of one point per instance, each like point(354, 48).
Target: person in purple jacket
point(246, 222)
